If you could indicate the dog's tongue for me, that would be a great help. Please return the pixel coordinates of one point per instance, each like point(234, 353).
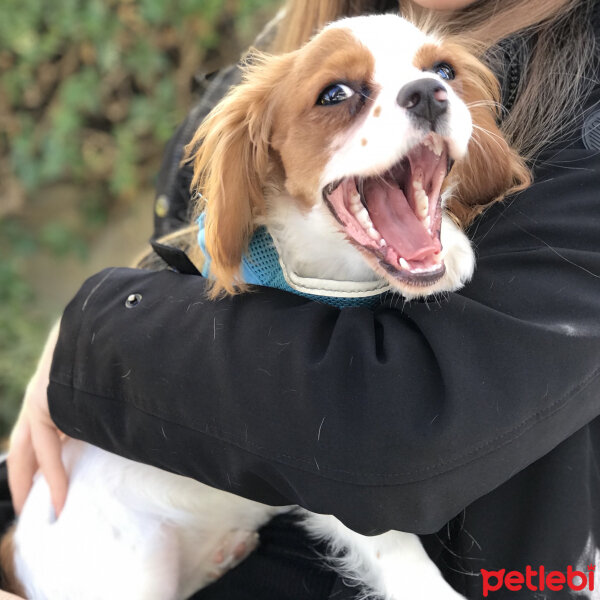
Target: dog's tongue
point(396, 222)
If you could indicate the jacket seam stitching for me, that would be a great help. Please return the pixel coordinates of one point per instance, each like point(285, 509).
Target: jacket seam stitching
point(456, 462)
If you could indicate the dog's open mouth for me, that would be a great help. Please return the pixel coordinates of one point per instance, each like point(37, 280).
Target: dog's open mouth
point(397, 215)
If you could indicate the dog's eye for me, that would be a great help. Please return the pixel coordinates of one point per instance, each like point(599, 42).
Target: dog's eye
point(444, 70)
point(334, 94)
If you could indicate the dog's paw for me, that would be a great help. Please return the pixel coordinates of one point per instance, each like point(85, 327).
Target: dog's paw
point(232, 550)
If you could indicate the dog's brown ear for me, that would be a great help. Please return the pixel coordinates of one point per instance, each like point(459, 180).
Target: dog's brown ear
point(230, 154)
point(491, 169)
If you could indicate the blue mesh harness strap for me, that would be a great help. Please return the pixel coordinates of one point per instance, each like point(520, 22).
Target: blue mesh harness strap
point(261, 266)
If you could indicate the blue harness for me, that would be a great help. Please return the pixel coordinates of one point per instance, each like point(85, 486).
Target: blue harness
point(261, 265)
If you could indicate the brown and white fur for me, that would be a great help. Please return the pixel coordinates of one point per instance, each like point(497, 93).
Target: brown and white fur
point(277, 152)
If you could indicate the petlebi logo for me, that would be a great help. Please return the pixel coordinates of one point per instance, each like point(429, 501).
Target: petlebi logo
point(538, 580)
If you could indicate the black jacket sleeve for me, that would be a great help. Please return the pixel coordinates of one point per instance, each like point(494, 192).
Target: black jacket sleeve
point(394, 418)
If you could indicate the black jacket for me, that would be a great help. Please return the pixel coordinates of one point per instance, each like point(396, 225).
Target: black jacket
point(474, 419)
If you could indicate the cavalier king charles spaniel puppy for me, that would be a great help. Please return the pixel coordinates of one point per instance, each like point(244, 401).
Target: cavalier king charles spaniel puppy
point(356, 160)
point(364, 154)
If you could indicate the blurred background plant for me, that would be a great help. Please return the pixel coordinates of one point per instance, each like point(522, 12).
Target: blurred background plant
point(90, 91)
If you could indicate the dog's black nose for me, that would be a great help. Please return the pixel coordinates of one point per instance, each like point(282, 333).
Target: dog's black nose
point(425, 98)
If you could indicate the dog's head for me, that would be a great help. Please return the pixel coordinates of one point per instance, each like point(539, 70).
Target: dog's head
point(372, 122)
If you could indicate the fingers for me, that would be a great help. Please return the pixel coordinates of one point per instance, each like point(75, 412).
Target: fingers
point(48, 449)
point(35, 441)
point(36, 445)
point(22, 464)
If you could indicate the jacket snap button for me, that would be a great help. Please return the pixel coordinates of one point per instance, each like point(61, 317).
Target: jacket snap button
point(591, 131)
point(133, 300)
point(161, 208)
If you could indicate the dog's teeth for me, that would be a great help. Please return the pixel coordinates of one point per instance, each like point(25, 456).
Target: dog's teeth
point(382, 243)
point(431, 146)
point(434, 143)
point(425, 269)
point(373, 234)
point(403, 263)
point(421, 200)
point(427, 223)
point(355, 199)
point(362, 216)
point(421, 204)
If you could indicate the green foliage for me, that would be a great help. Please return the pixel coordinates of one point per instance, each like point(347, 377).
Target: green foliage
point(23, 326)
point(20, 343)
point(90, 91)
point(120, 67)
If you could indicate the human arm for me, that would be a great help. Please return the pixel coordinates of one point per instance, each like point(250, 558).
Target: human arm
point(35, 442)
point(397, 418)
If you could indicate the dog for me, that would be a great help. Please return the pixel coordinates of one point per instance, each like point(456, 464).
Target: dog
point(359, 159)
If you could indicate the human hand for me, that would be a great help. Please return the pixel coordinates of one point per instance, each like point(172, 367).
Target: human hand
point(36, 442)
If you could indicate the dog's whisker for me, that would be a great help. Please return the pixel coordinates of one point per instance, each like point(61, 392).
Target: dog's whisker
point(486, 104)
point(493, 136)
